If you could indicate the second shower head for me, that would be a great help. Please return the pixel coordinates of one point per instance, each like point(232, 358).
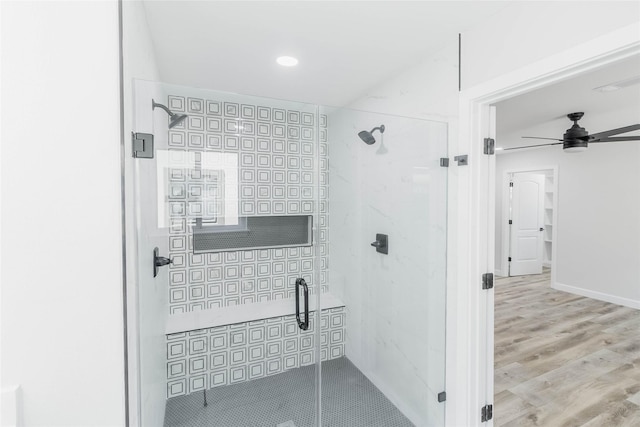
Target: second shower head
point(367, 136)
point(174, 118)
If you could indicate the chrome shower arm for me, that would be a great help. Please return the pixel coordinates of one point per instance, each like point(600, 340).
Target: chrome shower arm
point(380, 128)
point(174, 118)
point(154, 104)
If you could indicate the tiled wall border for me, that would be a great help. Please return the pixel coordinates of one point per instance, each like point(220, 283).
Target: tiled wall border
point(207, 358)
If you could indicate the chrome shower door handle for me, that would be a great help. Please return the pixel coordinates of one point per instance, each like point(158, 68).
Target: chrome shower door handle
point(302, 325)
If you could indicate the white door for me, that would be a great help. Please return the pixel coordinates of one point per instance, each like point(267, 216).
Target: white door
point(527, 215)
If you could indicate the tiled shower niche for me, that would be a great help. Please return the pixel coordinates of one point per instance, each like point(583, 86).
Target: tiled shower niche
point(230, 160)
point(208, 358)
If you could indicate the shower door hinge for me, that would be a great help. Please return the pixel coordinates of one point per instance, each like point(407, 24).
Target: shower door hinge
point(487, 281)
point(142, 145)
point(442, 396)
point(487, 413)
point(462, 160)
point(444, 162)
point(489, 146)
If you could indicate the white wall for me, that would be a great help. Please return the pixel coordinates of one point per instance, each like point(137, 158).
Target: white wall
point(428, 90)
point(62, 324)
point(528, 31)
point(515, 38)
point(395, 302)
point(598, 233)
point(146, 296)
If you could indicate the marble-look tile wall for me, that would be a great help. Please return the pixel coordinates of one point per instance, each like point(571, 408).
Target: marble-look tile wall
point(228, 160)
point(395, 303)
point(207, 358)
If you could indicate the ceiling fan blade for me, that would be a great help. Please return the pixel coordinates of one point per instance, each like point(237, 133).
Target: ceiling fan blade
point(532, 146)
point(538, 137)
point(616, 139)
point(607, 133)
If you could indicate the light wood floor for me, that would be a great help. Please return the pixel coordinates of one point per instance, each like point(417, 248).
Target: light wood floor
point(562, 359)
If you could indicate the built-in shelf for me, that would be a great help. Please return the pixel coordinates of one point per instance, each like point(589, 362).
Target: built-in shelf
point(213, 317)
point(549, 203)
point(254, 232)
point(549, 199)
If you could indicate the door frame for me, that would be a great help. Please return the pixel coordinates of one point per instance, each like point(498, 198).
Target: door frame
point(469, 370)
point(506, 244)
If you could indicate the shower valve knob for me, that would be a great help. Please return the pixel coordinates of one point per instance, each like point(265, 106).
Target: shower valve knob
point(159, 261)
point(381, 244)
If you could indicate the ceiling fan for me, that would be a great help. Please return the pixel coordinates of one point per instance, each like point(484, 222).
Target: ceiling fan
point(577, 138)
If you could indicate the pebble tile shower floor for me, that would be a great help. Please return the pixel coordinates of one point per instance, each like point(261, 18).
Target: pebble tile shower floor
point(349, 399)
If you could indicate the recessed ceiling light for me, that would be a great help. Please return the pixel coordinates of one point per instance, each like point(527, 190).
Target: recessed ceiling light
point(607, 88)
point(611, 87)
point(287, 61)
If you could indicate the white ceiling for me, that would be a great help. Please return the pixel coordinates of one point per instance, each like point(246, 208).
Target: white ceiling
point(547, 108)
point(344, 47)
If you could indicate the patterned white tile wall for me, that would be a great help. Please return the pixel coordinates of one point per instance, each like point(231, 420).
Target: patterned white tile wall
point(215, 357)
point(276, 160)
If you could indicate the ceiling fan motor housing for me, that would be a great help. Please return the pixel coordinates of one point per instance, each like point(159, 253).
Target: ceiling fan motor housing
point(575, 136)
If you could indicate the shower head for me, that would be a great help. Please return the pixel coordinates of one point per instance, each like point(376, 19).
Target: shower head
point(174, 118)
point(367, 136)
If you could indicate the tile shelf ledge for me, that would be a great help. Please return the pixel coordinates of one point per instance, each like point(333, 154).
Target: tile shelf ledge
point(214, 317)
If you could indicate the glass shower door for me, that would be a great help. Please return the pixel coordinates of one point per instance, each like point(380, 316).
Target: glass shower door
point(300, 263)
point(229, 219)
point(388, 208)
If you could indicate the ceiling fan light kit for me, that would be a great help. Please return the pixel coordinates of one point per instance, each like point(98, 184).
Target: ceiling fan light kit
point(577, 138)
point(575, 148)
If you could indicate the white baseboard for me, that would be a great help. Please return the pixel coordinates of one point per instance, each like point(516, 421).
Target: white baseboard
point(546, 264)
point(601, 296)
point(499, 273)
